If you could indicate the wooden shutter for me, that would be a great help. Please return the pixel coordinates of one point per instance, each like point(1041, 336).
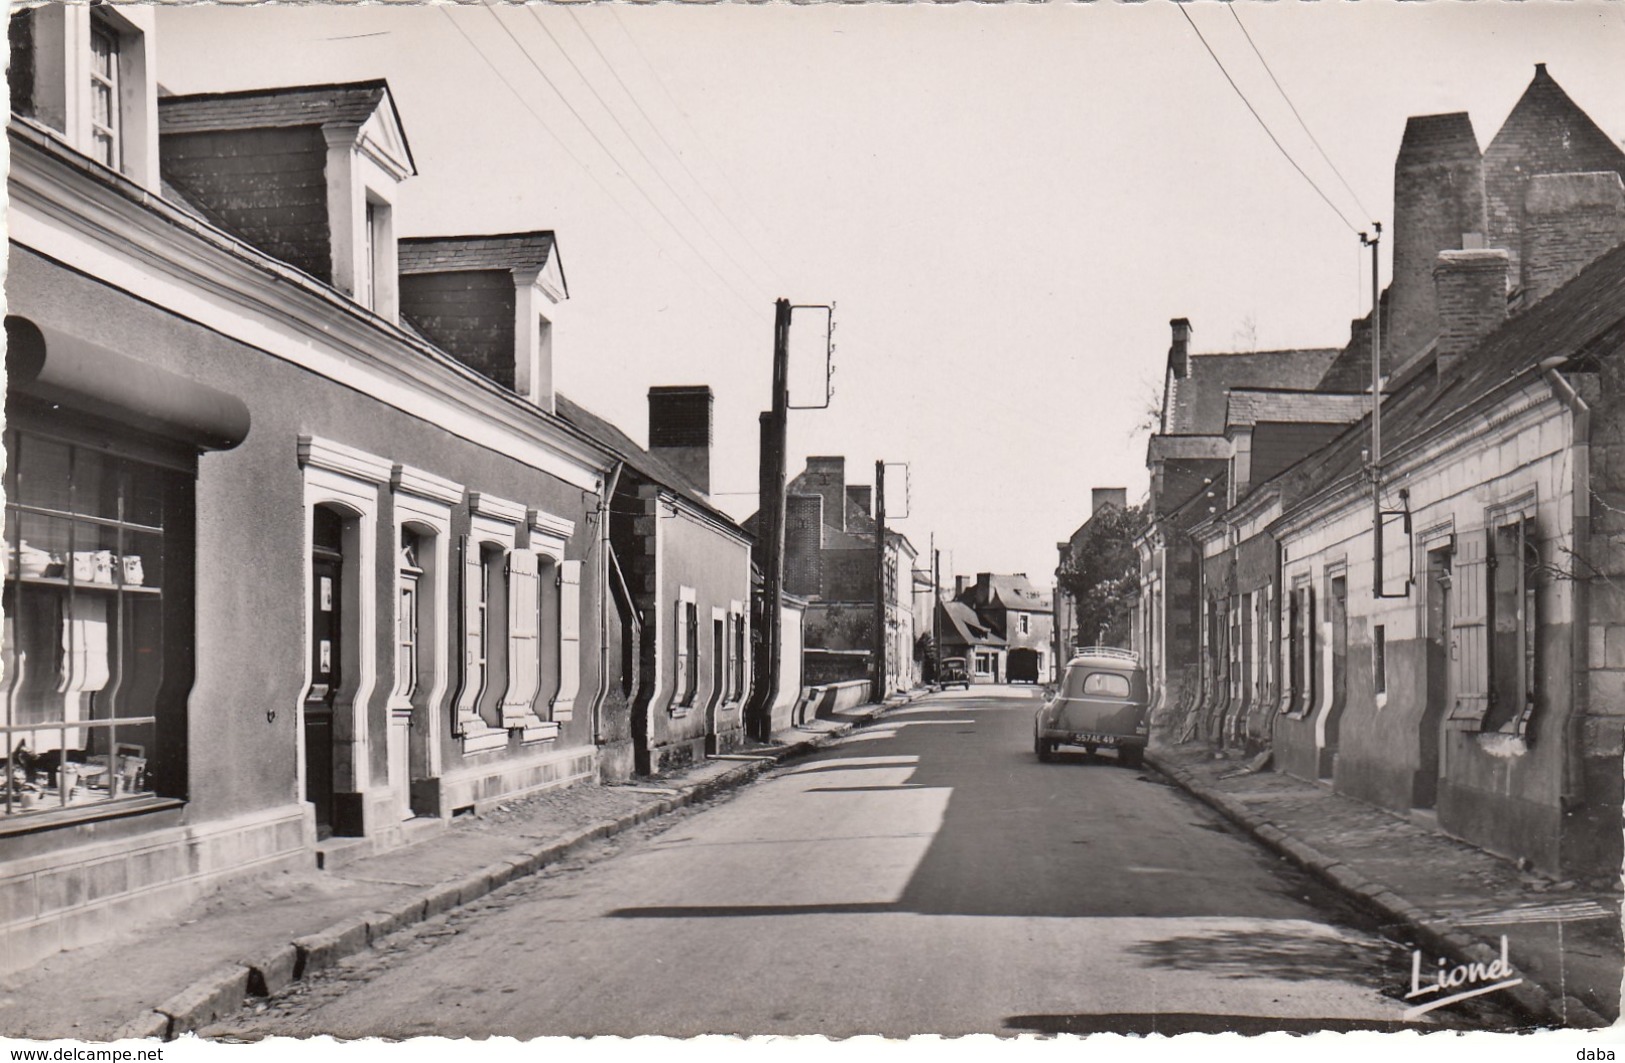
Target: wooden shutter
point(680, 665)
point(569, 639)
point(1469, 629)
point(472, 677)
point(524, 651)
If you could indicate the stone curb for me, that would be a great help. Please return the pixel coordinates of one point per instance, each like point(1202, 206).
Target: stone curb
point(1538, 1002)
point(223, 990)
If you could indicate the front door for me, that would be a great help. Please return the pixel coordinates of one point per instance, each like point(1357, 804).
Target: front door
point(326, 628)
point(1425, 790)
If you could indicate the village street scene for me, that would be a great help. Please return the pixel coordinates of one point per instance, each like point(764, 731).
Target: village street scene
point(601, 521)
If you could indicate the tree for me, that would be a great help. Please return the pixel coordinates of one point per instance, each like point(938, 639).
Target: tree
point(1102, 575)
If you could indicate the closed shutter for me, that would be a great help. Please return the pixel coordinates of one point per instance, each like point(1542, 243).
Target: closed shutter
point(569, 639)
point(680, 669)
point(524, 652)
point(1311, 649)
point(471, 672)
point(1469, 630)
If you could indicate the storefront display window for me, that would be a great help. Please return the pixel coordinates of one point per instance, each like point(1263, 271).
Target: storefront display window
point(89, 538)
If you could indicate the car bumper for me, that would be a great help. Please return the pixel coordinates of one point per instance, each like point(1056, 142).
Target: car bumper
point(1090, 738)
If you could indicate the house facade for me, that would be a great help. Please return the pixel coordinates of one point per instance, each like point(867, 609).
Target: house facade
point(284, 574)
point(1432, 636)
point(1023, 619)
point(687, 573)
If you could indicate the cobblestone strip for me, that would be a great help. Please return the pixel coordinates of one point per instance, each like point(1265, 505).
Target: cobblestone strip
point(223, 991)
point(1437, 934)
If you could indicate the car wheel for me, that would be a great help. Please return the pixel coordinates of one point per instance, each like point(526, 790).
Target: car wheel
point(1044, 748)
point(1132, 756)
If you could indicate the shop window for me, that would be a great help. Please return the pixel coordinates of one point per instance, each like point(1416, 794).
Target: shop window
point(92, 622)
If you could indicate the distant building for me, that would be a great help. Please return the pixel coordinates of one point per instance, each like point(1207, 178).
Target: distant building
point(1013, 635)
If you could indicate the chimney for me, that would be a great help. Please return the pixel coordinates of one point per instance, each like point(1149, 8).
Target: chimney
point(863, 497)
point(490, 302)
point(960, 583)
point(680, 430)
point(827, 476)
point(1101, 497)
point(984, 587)
point(1472, 301)
point(1569, 219)
point(803, 543)
point(1438, 206)
point(1179, 352)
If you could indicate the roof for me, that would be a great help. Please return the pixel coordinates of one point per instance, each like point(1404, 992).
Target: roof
point(1578, 322)
point(1197, 405)
point(440, 254)
point(651, 467)
point(282, 107)
point(1017, 592)
point(1250, 406)
point(968, 626)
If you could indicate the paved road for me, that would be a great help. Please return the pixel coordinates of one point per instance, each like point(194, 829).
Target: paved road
point(927, 874)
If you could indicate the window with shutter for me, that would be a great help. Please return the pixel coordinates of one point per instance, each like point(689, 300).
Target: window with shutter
point(1469, 631)
point(524, 657)
point(1311, 655)
point(1294, 654)
point(680, 646)
point(691, 631)
point(569, 639)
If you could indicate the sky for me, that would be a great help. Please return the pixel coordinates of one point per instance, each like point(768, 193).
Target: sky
point(1006, 203)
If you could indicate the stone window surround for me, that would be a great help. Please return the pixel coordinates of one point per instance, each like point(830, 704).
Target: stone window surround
point(423, 499)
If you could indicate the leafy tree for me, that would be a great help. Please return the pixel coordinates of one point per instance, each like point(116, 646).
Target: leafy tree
point(1102, 577)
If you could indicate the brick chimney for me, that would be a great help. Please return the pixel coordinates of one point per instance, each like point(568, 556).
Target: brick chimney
point(1101, 497)
point(1472, 300)
point(1438, 206)
point(1180, 351)
point(680, 430)
point(960, 583)
point(1569, 219)
point(863, 496)
point(803, 543)
point(827, 476)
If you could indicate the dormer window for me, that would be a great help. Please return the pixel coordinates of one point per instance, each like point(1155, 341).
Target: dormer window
point(86, 75)
point(104, 93)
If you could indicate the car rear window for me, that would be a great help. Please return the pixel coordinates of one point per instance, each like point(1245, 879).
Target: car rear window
point(1082, 684)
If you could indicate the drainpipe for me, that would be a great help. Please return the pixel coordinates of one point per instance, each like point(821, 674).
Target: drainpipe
point(1580, 627)
point(603, 604)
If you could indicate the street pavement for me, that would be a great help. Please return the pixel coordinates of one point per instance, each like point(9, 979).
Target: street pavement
point(923, 875)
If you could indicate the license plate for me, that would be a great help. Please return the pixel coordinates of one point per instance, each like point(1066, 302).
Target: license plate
point(1086, 738)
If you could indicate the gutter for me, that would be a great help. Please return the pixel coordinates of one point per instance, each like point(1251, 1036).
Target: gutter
point(1571, 786)
point(603, 605)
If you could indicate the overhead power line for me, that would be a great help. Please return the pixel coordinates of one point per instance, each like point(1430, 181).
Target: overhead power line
point(630, 139)
point(672, 150)
point(564, 147)
point(593, 133)
point(1304, 125)
point(665, 91)
point(1261, 123)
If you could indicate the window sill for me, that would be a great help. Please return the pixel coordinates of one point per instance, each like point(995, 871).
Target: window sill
point(677, 712)
point(34, 822)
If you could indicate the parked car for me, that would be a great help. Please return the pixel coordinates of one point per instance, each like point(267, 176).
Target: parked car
point(955, 673)
point(1101, 702)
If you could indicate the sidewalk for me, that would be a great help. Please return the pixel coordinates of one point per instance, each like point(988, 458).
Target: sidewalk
point(258, 936)
point(1446, 897)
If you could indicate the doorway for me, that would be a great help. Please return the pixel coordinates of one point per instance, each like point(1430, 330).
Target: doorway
point(1440, 695)
point(326, 662)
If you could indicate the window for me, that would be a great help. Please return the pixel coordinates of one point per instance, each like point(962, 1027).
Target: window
point(688, 642)
point(484, 637)
point(736, 656)
point(87, 701)
point(1379, 659)
point(1514, 631)
point(104, 94)
point(406, 633)
point(1024, 630)
point(1099, 684)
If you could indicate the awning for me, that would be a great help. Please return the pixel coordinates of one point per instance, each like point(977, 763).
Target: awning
point(48, 364)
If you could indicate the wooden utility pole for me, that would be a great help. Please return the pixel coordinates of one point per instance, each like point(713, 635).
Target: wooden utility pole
point(936, 610)
point(877, 684)
point(770, 530)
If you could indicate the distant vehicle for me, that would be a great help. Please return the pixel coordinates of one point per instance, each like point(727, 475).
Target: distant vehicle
point(954, 673)
point(1021, 666)
point(1100, 703)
